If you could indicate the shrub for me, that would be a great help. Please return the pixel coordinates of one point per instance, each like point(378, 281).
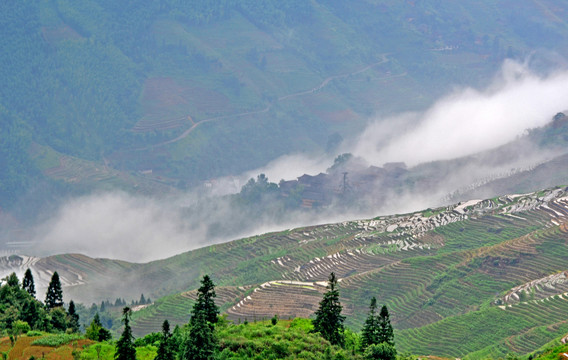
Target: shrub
point(382, 351)
point(280, 350)
point(56, 340)
point(303, 324)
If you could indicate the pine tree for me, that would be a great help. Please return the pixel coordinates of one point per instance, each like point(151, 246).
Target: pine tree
point(31, 313)
point(96, 331)
point(12, 280)
point(58, 319)
point(201, 342)
point(386, 333)
point(329, 321)
point(370, 332)
point(28, 283)
point(165, 349)
point(54, 295)
point(125, 349)
point(73, 321)
point(205, 301)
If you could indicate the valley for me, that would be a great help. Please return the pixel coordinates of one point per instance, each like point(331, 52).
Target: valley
point(417, 150)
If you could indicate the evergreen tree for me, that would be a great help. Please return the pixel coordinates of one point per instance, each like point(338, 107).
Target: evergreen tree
point(97, 320)
point(205, 301)
point(31, 313)
point(125, 349)
point(28, 283)
point(370, 332)
point(58, 319)
point(329, 321)
point(96, 331)
point(386, 333)
point(201, 342)
point(165, 349)
point(73, 321)
point(54, 295)
point(12, 280)
point(178, 336)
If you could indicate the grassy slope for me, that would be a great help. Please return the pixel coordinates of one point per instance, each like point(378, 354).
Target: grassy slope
point(259, 340)
point(443, 285)
point(439, 294)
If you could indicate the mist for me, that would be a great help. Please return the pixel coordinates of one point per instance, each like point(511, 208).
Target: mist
point(123, 226)
point(468, 121)
point(115, 225)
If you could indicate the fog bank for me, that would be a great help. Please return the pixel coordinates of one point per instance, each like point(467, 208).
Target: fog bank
point(467, 121)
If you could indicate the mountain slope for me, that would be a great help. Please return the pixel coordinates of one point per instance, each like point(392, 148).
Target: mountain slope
point(192, 92)
point(448, 275)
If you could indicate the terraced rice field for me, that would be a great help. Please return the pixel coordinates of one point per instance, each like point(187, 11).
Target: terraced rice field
point(488, 275)
point(77, 171)
point(176, 309)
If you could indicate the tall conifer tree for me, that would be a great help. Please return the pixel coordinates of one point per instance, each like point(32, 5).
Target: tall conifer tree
point(28, 283)
point(54, 295)
point(73, 321)
point(165, 349)
point(201, 342)
point(370, 332)
point(125, 349)
point(206, 301)
point(386, 333)
point(329, 321)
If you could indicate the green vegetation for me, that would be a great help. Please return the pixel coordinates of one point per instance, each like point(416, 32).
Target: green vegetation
point(201, 342)
point(96, 331)
point(125, 349)
point(449, 282)
point(54, 295)
point(462, 271)
point(28, 283)
point(110, 84)
point(167, 347)
point(57, 340)
point(328, 319)
point(284, 339)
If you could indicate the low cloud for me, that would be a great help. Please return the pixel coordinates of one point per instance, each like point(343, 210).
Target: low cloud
point(117, 225)
point(467, 121)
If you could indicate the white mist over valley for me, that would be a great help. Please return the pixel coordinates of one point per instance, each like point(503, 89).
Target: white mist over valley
point(465, 122)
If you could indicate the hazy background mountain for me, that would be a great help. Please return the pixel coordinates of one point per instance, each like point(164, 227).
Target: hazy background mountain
point(167, 102)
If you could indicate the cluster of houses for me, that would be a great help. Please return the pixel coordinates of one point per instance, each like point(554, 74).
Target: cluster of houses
point(347, 182)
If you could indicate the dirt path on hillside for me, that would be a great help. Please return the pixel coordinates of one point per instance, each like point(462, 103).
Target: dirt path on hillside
point(313, 90)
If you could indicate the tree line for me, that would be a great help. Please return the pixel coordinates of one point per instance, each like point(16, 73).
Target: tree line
point(200, 340)
point(21, 312)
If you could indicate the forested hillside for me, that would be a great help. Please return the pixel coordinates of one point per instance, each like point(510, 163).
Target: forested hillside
point(154, 94)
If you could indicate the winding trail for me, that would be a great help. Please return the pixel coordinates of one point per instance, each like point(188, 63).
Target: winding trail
point(313, 90)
